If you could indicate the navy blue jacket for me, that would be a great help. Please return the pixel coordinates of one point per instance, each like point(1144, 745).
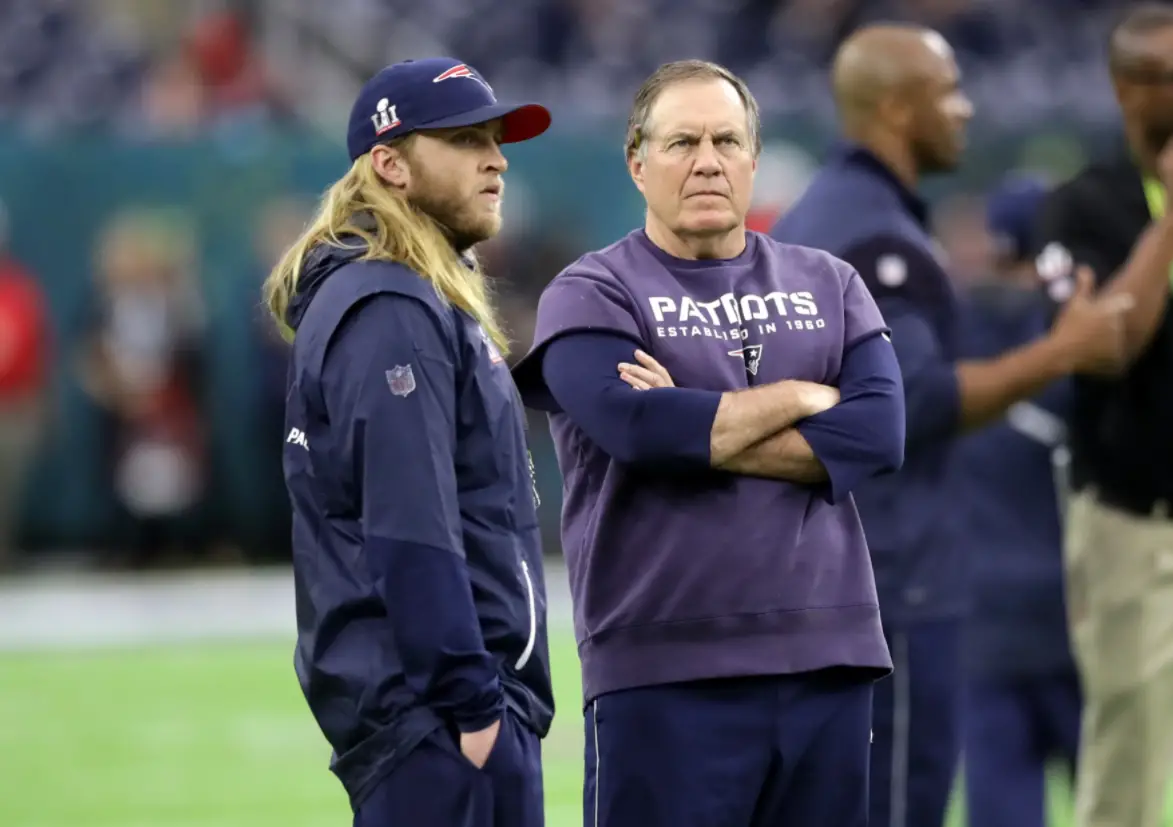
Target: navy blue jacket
point(857, 210)
point(1008, 504)
point(417, 559)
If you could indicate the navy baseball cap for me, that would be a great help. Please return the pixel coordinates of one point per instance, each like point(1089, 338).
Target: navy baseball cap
point(1012, 210)
point(434, 93)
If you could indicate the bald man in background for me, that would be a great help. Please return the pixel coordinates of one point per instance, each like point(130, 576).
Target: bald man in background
point(903, 116)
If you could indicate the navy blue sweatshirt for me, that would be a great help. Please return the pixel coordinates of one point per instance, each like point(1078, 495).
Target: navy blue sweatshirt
point(417, 560)
point(1008, 505)
point(859, 211)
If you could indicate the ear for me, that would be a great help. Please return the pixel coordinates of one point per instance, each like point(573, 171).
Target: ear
point(391, 165)
point(635, 166)
point(1124, 95)
point(895, 111)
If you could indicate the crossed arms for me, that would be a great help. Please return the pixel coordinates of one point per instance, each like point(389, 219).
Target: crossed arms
point(791, 430)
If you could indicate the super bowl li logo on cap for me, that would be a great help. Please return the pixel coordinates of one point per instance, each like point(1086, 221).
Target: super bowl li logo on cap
point(384, 117)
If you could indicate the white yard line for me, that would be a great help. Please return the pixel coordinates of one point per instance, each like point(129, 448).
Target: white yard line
point(58, 611)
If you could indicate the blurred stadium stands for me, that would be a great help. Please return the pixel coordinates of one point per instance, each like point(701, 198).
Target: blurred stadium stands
point(79, 62)
point(203, 130)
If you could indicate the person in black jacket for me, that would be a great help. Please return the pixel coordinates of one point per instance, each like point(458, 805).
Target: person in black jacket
point(422, 646)
point(1112, 218)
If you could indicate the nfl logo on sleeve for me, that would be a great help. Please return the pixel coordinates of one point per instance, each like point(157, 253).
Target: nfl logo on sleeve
point(401, 380)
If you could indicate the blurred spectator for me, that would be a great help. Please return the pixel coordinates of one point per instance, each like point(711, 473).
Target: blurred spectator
point(140, 362)
point(784, 171)
point(231, 71)
point(172, 103)
point(24, 341)
point(281, 222)
point(959, 225)
point(520, 267)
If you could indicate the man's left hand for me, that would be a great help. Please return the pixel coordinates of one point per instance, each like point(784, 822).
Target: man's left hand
point(646, 375)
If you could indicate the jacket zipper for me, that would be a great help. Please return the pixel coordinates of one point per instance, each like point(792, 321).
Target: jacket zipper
point(533, 618)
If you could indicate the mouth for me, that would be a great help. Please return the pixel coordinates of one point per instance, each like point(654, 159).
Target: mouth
point(707, 194)
point(493, 190)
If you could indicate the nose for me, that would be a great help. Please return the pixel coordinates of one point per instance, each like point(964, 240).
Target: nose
point(496, 160)
point(965, 108)
point(706, 161)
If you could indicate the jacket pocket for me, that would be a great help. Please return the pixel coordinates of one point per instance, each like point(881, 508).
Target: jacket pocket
point(532, 608)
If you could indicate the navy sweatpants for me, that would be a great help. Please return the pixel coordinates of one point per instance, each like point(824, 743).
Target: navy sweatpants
point(739, 752)
point(917, 722)
point(1013, 729)
point(436, 786)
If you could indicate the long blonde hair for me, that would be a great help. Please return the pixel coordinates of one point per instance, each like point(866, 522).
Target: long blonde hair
point(401, 233)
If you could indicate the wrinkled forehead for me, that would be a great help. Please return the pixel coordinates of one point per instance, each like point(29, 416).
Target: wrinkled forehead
point(698, 107)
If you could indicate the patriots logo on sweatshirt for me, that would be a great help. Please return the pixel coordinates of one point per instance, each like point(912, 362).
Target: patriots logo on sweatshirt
point(752, 356)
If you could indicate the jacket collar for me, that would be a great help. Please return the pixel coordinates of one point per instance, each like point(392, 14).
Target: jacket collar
point(854, 156)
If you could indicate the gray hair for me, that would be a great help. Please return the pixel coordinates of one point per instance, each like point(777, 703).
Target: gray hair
point(680, 71)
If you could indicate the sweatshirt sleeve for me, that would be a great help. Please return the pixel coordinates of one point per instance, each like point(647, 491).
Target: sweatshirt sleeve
point(862, 436)
point(662, 427)
point(390, 390)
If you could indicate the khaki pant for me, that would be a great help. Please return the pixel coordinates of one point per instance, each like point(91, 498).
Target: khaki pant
point(1120, 601)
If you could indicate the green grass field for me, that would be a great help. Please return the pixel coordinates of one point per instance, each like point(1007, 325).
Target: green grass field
point(199, 736)
point(194, 736)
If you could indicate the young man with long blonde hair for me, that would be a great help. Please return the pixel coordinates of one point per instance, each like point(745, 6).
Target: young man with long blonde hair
point(422, 647)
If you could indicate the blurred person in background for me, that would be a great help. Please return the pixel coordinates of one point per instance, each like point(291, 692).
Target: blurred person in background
point(1022, 696)
point(24, 358)
point(208, 77)
point(141, 363)
point(421, 610)
point(724, 603)
point(280, 223)
point(959, 226)
point(903, 114)
point(171, 102)
point(1113, 217)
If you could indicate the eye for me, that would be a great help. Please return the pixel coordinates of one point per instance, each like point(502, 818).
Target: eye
point(474, 138)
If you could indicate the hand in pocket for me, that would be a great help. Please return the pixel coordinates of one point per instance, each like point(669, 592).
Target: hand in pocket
point(477, 746)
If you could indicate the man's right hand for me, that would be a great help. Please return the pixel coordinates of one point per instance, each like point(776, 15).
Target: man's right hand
point(476, 746)
point(1089, 330)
